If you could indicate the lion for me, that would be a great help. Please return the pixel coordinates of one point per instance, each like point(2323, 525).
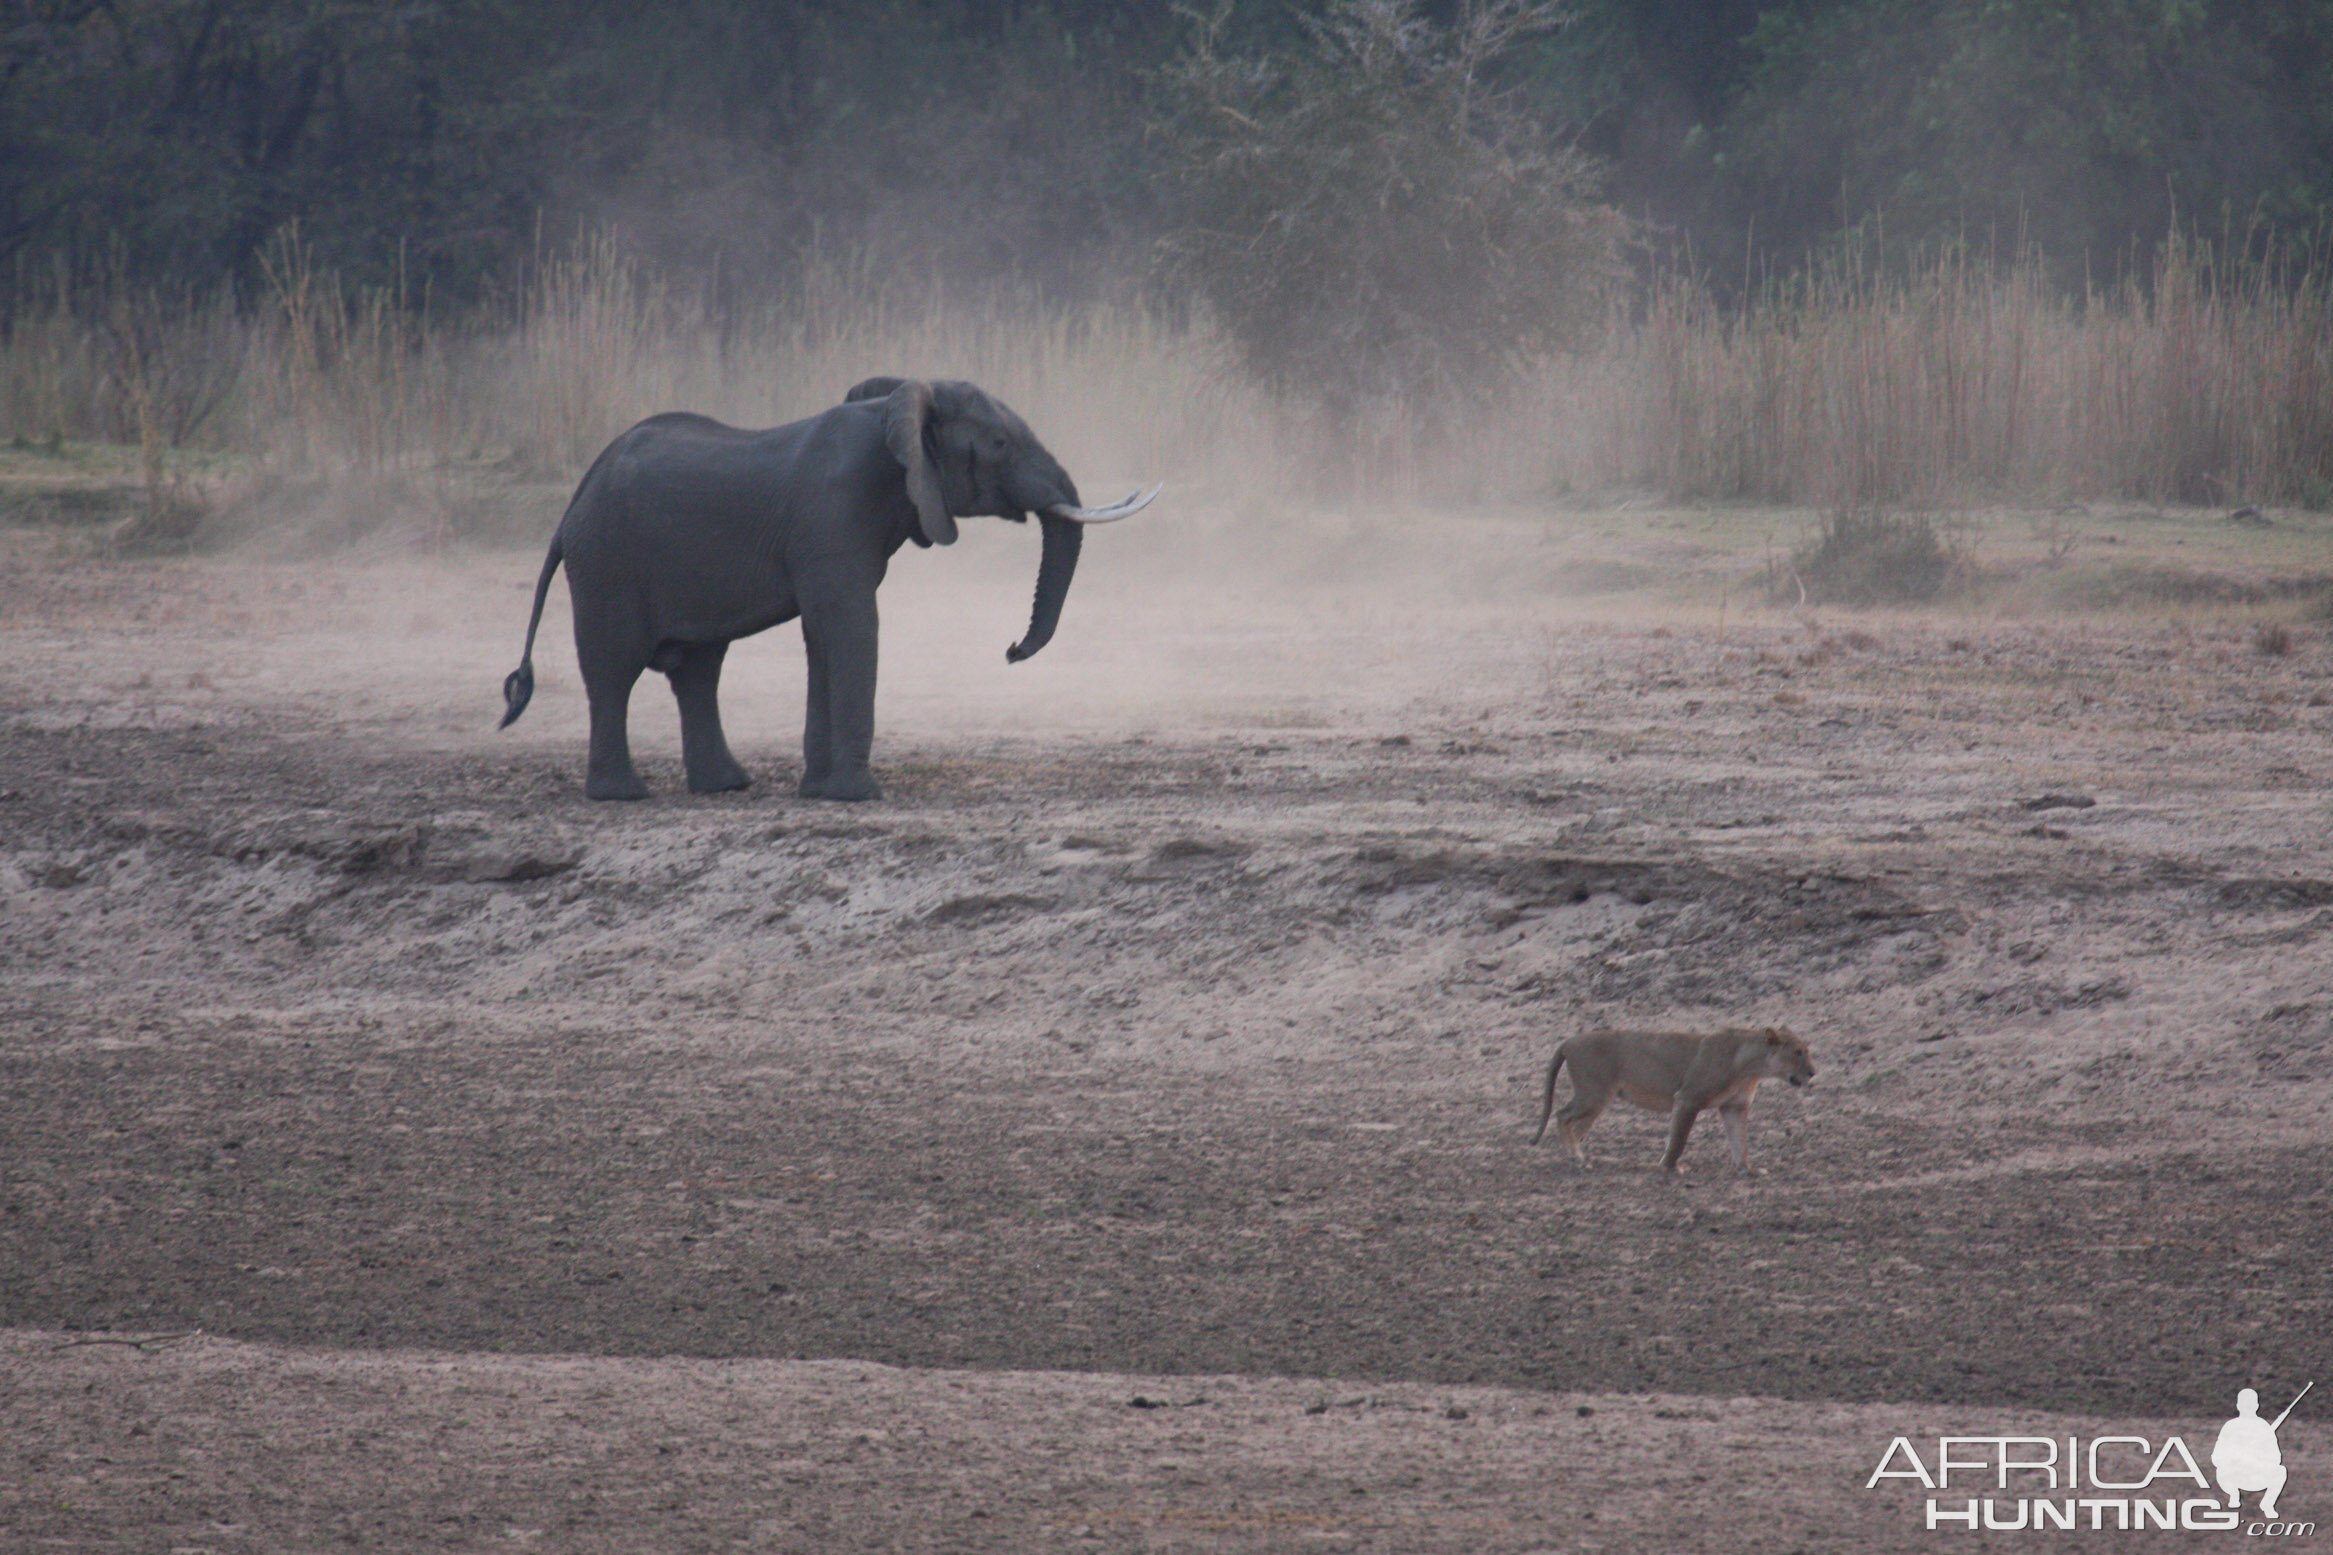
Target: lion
point(1677, 1073)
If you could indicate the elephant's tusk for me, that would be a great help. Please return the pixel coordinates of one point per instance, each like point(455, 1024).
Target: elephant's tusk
point(1135, 502)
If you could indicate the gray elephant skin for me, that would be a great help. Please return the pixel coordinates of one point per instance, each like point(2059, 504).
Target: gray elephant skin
point(686, 535)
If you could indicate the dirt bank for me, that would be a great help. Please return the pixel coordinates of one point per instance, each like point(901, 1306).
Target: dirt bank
point(1179, 1014)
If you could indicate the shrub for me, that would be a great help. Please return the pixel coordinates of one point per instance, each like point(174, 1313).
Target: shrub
point(1868, 557)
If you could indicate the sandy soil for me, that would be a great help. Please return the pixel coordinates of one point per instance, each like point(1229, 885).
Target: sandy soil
point(714, 1173)
point(206, 1444)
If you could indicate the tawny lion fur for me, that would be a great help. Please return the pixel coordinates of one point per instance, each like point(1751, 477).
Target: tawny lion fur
point(1675, 1072)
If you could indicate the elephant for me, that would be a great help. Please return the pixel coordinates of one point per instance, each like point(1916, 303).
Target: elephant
point(686, 535)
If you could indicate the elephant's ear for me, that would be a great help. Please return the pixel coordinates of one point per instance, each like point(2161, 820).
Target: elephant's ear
point(905, 425)
point(871, 389)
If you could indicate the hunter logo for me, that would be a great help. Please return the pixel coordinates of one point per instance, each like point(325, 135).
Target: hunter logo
point(2131, 1482)
point(2246, 1457)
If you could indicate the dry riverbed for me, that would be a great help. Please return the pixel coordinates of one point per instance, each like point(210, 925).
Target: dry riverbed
point(497, 1170)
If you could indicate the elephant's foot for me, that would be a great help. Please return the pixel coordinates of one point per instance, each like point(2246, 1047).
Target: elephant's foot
point(614, 785)
point(725, 780)
point(845, 786)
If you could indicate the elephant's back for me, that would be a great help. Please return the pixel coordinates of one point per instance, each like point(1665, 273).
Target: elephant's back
point(681, 446)
point(682, 521)
point(681, 487)
point(682, 472)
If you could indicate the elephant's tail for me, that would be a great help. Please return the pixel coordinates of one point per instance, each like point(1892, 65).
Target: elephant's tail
point(519, 686)
point(1547, 1102)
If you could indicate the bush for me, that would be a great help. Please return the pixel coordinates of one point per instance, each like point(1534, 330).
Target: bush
point(1868, 558)
point(169, 522)
point(1371, 222)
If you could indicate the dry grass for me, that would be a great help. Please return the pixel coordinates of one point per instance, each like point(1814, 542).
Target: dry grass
point(1958, 383)
point(2189, 383)
point(323, 377)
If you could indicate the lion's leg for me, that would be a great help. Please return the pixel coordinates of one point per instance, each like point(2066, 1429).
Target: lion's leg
point(1680, 1129)
point(1572, 1125)
point(1735, 1115)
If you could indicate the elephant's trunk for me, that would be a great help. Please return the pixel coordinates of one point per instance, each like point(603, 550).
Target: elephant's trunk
point(1063, 537)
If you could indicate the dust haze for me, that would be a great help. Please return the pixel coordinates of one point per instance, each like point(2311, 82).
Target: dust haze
point(1147, 1080)
point(1117, 1137)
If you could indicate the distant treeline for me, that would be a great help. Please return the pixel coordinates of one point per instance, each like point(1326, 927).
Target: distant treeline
point(441, 146)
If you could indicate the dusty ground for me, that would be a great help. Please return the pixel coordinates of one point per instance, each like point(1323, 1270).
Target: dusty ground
point(735, 1172)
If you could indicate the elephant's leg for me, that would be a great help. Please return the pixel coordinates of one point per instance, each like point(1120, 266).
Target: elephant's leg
point(607, 681)
point(696, 685)
point(817, 736)
point(839, 632)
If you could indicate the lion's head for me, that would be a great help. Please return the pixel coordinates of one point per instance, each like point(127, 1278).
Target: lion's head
point(1787, 1057)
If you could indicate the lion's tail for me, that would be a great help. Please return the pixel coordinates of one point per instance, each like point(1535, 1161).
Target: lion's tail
point(1547, 1101)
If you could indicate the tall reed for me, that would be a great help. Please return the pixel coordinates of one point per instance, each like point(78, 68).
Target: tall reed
point(340, 377)
point(2193, 380)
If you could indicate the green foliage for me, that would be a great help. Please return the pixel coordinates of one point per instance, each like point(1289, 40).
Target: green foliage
point(442, 147)
point(1371, 219)
point(1644, 86)
point(2082, 129)
point(180, 136)
point(1393, 195)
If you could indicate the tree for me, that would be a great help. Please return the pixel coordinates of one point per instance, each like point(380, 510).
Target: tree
point(2079, 126)
point(177, 136)
point(445, 142)
point(1371, 216)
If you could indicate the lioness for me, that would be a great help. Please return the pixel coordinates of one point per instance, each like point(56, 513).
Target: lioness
point(1677, 1073)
